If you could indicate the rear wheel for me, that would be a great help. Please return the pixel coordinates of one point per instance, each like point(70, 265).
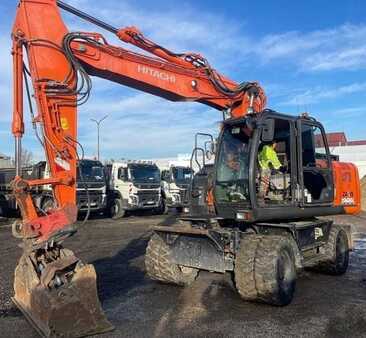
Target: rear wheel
point(335, 252)
point(116, 209)
point(265, 269)
point(160, 267)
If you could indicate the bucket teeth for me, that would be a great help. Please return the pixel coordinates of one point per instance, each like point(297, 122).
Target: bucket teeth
point(64, 303)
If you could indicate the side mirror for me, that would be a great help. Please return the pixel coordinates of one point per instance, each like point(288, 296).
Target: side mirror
point(210, 149)
point(268, 128)
point(165, 175)
point(122, 174)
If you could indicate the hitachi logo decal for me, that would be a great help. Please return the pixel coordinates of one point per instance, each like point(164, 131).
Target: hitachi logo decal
point(155, 73)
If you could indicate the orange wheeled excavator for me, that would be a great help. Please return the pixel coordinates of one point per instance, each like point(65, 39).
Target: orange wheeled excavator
point(228, 221)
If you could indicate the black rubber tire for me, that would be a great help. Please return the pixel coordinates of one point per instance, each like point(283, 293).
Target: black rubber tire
point(244, 276)
point(4, 207)
point(116, 209)
point(159, 266)
point(164, 210)
point(265, 269)
point(335, 252)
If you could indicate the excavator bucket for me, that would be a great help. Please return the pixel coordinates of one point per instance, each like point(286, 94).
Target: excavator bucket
point(71, 309)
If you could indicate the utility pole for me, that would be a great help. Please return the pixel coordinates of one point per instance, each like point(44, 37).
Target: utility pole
point(98, 122)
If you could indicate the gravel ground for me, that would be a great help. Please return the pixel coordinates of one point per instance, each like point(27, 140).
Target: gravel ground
point(324, 306)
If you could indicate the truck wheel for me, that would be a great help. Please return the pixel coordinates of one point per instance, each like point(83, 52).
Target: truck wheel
point(4, 207)
point(265, 269)
point(47, 204)
point(162, 209)
point(335, 252)
point(159, 266)
point(116, 210)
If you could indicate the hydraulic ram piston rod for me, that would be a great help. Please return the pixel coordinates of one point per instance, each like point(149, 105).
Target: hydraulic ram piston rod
point(86, 17)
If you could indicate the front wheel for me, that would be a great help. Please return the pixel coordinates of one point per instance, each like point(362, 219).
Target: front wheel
point(116, 209)
point(163, 208)
point(160, 267)
point(265, 269)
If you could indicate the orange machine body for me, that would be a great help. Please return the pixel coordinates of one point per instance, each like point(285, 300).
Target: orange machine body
point(347, 192)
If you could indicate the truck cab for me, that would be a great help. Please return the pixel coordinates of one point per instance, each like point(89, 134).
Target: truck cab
point(175, 181)
point(133, 185)
point(91, 186)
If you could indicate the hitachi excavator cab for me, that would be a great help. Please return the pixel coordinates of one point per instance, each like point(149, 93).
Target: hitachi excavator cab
point(302, 188)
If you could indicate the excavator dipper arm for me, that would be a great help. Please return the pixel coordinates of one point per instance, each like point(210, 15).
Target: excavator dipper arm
point(54, 289)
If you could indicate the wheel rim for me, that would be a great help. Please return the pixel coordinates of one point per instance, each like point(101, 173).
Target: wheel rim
point(341, 251)
point(285, 272)
point(185, 269)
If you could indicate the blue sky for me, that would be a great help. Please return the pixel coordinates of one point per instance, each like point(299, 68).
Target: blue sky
point(308, 55)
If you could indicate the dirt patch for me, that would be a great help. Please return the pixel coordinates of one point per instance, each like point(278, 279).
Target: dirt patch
point(363, 193)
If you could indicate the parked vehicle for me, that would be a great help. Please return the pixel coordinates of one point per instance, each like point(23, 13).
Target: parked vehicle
point(90, 182)
point(175, 181)
point(92, 186)
point(133, 185)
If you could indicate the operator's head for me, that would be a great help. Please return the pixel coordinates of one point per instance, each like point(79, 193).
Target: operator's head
point(232, 157)
point(274, 145)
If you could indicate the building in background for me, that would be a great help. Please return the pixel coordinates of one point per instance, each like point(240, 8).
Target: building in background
point(348, 151)
point(182, 160)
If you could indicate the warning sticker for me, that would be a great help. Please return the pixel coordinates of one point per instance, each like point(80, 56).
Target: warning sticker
point(62, 163)
point(64, 123)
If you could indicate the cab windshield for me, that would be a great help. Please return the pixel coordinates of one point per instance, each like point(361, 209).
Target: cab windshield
point(92, 171)
point(182, 175)
point(233, 166)
point(144, 173)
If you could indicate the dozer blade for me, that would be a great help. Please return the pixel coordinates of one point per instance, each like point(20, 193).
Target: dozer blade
point(70, 310)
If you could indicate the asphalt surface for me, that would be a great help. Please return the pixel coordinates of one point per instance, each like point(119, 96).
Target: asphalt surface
point(324, 306)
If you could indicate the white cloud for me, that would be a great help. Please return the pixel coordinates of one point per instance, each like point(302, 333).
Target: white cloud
point(143, 124)
point(342, 47)
point(318, 93)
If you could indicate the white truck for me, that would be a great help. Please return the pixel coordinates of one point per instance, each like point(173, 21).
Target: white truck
point(132, 186)
point(91, 180)
point(175, 181)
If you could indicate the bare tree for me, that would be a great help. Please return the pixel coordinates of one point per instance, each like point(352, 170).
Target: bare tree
point(27, 158)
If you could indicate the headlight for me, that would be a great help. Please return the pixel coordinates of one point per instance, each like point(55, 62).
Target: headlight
point(176, 198)
point(133, 199)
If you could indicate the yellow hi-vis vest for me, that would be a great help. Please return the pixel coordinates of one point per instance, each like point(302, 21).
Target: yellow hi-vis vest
point(268, 155)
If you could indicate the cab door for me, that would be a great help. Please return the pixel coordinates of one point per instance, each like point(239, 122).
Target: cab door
point(315, 166)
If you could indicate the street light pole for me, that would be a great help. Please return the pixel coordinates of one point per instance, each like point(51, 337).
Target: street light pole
point(98, 122)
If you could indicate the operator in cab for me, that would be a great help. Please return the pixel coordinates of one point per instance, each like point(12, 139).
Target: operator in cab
point(269, 164)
